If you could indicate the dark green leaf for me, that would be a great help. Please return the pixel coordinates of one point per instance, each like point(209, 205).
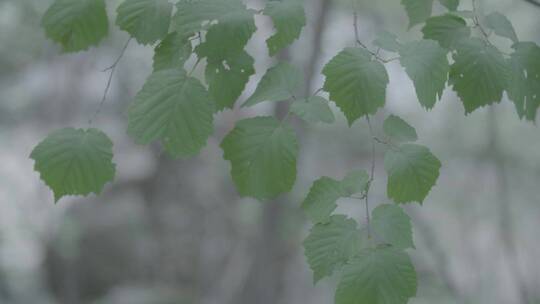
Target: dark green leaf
point(278, 84)
point(524, 81)
point(447, 29)
point(289, 18)
point(146, 20)
point(172, 52)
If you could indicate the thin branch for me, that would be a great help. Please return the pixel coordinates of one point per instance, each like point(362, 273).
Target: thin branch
point(111, 70)
point(361, 44)
point(371, 175)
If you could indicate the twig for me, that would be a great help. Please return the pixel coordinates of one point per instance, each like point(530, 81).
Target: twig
point(361, 44)
point(371, 175)
point(111, 70)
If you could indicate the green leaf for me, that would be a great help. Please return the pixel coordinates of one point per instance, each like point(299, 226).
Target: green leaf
point(75, 161)
point(426, 63)
point(278, 84)
point(330, 245)
point(398, 130)
point(417, 10)
point(145, 20)
point(412, 171)
point(355, 182)
point(313, 110)
point(377, 276)
point(263, 153)
point(451, 5)
point(447, 29)
point(172, 52)
point(356, 83)
point(323, 194)
point(387, 41)
point(479, 74)
point(229, 25)
point(524, 82)
point(76, 24)
point(501, 26)
point(392, 226)
point(174, 108)
point(227, 78)
point(289, 18)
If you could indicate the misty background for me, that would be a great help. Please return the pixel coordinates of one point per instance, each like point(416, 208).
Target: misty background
point(176, 232)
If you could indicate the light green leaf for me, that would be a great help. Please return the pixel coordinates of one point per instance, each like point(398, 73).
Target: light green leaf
point(172, 52)
point(451, 5)
point(76, 24)
point(229, 25)
point(75, 161)
point(412, 171)
point(227, 78)
point(447, 29)
point(263, 153)
point(524, 82)
point(278, 84)
point(330, 245)
point(392, 226)
point(356, 83)
point(174, 108)
point(417, 10)
point(145, 20)
point(377, 276)
point(387, 41)
point(479, 74)
point(398, 130)
point(501, 26)
point(355, 182)
point(323, 194)
point(313, 110)
point(289, 18)
point(426, 63)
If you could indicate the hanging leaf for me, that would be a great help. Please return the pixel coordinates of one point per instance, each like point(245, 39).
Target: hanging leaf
point(427, 65)
point(323, 194)
point(412, 171)
point(387, 41)
point(278, 84)
point(289, 18)
point(479, 74)
point(398, 130)
point(313, 110)
point(356, 83)
point(447, 29)
point(524, 81)
point(263, 153)
point(392, 226)
point(377, 276)
point(175, 109)
point(145, 20)
point(76, 24)
point(417, 10)
point(330, 245)
point(501, 26)
point(75, 161)
point(172, 52)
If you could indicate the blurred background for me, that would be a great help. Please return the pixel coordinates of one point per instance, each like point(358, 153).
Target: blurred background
point(176, 232)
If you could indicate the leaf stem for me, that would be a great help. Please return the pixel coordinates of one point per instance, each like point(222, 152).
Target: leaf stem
point(361, 44)
point(111, 70)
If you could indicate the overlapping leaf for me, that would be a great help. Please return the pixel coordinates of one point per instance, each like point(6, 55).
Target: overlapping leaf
point(321, 199)
point(289, 18)
point(76, 24)
point(479, 74)
point(412, 171)
point(174, 108)
point(377, 276)
point(387, 41)
point(392, 226)
point(501, 26)
point(427, 65)
point(417, 10)
point(263, 153)
point(447, 29)
point(331, 245)
point(75, 161)
point(356, 83)
point(146, 20)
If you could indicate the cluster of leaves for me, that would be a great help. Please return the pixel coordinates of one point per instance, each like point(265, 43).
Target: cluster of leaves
point(177, 110)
